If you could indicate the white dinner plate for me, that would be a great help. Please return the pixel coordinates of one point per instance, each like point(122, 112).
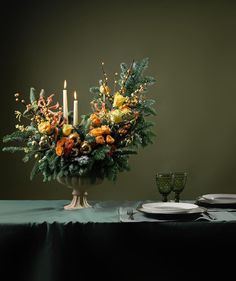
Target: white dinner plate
point(168, 207)
point(194, 211)
point(221, 198)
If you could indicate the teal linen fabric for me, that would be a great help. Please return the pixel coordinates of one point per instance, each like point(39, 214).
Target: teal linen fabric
point(49, 211)
point(39, 241)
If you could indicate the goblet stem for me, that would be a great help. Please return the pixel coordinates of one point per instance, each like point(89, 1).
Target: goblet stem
point(164, 198)
point(177, 197)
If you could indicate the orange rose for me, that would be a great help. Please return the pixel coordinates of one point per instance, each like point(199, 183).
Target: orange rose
point(109, 139)
point(64, 146)
point(100, 140)
point(96, 132)
point(106, 130)
point(59, 147)
point(95, 120)
point(59, 150)
point(61, 142)
point(69, 142)
point(68, 146)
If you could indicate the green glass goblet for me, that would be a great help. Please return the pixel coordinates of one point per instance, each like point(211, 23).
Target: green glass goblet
point(179, 182)
point(164, 182)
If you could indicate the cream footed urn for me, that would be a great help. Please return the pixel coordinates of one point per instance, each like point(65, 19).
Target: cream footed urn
point(79, 186)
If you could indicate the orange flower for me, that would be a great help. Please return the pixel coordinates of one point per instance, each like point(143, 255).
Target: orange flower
point(64, 146)
point(100, 140)
point(96, 132)
point(59, 147)
point(109, 139)
point(106, 130)
point(59, 150)
point(95, 120)
point(68, 146)
point(69, 142)
point(61, 142)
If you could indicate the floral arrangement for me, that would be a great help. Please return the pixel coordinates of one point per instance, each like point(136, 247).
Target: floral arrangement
point(98, 146)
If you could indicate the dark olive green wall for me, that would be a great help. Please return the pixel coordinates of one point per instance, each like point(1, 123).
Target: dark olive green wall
point(192, 51)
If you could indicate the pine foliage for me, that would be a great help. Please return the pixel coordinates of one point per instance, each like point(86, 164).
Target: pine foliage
point(104, 159)
point(17, 136)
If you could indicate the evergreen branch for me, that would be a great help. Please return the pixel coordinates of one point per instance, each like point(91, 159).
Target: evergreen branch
point(124, 68)
point(101, 152)
point(35, 170)
point(28, 156)
point(94, 90)
point(126, 150)
point(32, 95)
point(13, 149)
point(149, 111)
point(148, 80)
point(105, 161)
point(17, 136)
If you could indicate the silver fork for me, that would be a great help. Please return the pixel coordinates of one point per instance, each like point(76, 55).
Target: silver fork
point(210, 216)
point(130, 213)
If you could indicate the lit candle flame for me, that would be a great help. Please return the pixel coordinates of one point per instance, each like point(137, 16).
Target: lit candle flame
point(65, 84)
point(75, 95)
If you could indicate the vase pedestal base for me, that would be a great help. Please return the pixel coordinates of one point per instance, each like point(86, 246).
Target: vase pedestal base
point(79, 186)
point(79, 201)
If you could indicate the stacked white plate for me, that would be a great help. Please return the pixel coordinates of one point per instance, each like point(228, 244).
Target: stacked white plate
point(168, 208)
point(221, 198)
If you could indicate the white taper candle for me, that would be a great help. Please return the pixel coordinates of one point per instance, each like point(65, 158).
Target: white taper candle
point(65, 102)
point(76, 110)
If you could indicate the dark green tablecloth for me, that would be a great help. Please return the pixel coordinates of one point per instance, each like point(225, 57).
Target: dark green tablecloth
point(39, 241)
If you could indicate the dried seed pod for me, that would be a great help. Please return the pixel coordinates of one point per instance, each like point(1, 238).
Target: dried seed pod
point(75, 137)
point(85, 148)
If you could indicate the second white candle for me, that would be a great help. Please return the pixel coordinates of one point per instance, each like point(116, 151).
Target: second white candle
point(76, 110)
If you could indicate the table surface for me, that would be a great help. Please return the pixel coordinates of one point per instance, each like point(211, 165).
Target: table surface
point(42, 241)
point(50, 211)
